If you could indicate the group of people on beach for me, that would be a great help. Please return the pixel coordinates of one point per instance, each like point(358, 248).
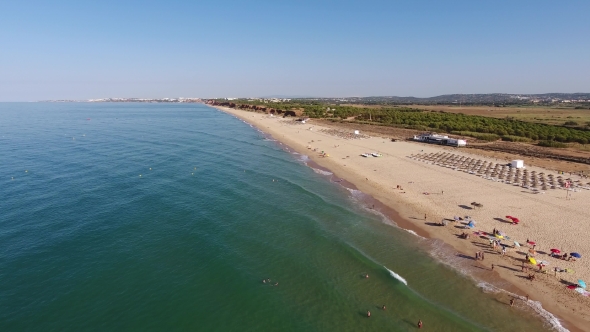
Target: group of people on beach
point(479, 255)
point(564, 257)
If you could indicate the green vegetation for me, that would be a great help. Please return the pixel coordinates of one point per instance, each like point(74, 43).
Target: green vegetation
point(477, 126)
point(511, 138)
point(480, 136)
point(552, 144)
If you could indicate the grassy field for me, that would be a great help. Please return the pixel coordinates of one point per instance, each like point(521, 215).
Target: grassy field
point(553, 116)
point(547, 115)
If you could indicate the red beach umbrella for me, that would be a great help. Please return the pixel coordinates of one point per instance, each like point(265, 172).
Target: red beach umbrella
point(557, 251)
point(509, 217)
point(572, 286)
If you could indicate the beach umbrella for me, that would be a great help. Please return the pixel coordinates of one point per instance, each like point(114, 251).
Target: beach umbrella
point(499, 236)
point(582, 283)
point(572, 286)
point(556, 251)
point(516, 244)
point(509, 217)
point(532, 260)
point(516, 221)
point(531, 242)
point(570, 271)
point(575, 254)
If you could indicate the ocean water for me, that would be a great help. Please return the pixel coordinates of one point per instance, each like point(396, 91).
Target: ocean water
point(167, 217)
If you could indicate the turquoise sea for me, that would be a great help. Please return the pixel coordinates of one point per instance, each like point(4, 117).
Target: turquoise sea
point(167, 217)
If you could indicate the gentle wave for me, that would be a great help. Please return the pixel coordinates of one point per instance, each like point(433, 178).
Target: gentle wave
point(322, 172)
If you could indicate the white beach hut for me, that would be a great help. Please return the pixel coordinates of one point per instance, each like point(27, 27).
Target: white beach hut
point(517, 164)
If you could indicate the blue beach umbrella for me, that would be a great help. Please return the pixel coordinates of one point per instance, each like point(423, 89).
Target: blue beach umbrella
point(581, 283)
point(575, 254)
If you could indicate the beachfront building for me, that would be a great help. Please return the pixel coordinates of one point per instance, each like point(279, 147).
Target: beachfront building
point(439, 139)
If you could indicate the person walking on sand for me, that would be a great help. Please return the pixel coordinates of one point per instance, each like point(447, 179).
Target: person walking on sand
point(492, 267)
point(512, 302)
point(424, 216)
point(482, 256)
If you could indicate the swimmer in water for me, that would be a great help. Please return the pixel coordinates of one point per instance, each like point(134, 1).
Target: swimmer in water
point(383, 307)
point(368, 314)
point(276, 284)
point(419, 324)
point(366, 276)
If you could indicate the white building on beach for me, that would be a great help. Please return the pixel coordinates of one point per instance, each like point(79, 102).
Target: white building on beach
point(439, 139)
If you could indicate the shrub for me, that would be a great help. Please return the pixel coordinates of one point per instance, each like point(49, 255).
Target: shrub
point(511, 138)
point(552, 144)
point(480, 136)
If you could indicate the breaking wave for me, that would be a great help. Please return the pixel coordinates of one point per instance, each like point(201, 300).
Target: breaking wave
point(397, 276)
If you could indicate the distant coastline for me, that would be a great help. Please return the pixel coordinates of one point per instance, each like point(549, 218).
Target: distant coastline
point(489, 99)
point(126, 100)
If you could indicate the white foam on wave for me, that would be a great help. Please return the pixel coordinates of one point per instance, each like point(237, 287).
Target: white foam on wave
point(397, 276)
point(412, 232)
point(322, 172)
point(303, 158)
point(354, 192)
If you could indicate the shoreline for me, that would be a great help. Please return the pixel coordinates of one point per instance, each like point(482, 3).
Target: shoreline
point(407, 216)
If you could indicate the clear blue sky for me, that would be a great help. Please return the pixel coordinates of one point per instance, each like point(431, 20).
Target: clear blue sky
point(94, 49)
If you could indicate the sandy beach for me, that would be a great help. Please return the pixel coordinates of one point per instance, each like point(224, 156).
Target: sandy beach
point(407, 178)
